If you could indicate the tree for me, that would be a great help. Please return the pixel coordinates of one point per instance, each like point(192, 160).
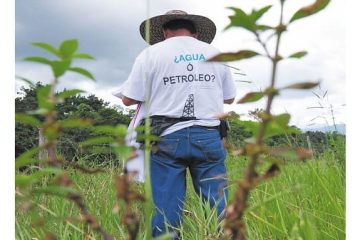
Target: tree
point(78, 106)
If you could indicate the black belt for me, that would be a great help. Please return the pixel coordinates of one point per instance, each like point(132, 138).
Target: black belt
point(207, 127)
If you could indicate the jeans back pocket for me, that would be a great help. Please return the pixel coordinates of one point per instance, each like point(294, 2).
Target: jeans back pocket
point(167, 146)
point(212, 148)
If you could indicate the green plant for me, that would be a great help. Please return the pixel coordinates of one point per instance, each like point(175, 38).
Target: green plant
point(270, 124)
point(47, 174)
point(296, 196)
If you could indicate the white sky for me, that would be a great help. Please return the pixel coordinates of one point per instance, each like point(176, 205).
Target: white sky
point(322, 35)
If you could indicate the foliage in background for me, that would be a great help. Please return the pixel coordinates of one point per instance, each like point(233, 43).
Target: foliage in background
point(91, 107)
point(321, 142)
point(73, 107)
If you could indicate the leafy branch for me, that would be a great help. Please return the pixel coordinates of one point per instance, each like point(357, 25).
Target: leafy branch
point(234, 223)
point(58, 182)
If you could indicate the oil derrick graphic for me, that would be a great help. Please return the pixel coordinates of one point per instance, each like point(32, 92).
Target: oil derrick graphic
point(189, 107)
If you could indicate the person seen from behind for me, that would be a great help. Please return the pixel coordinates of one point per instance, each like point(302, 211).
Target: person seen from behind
point(186, 94)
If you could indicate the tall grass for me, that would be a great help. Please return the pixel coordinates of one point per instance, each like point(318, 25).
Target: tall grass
point(306, 201)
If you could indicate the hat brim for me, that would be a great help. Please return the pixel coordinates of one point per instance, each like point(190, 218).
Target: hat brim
point(205, 28)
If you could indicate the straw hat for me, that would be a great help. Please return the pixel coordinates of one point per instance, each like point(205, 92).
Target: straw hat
point(205, 28)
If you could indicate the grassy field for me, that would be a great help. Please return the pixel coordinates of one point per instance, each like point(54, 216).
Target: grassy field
point(306, 201)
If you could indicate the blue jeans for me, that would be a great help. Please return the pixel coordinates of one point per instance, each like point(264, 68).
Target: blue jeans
point(202, 151)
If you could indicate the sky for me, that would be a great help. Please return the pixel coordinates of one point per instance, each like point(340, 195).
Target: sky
point(108, 30)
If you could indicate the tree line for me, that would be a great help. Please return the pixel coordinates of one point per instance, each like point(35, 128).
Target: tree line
point(101, 113)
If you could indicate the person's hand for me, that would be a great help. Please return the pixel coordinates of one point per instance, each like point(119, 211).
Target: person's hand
point(129, 101)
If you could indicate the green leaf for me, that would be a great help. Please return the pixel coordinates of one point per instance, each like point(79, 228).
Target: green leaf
point(27, 119)
point(251, 126)
point(304, 85)
point(25, 157)
point(39, 111)
point(47, 47)
point(241, 19)
point(55, 190)
point(270, 91)
point(83, 56)
point(165, 236)
point(38, 60)
point(317, 6)
point(273, 128)
point(104, 129)
point(298, 54)
point(68, 93)
point(51, 133)
point(276, 128)
point(24, 180)
point(25, 162)
point(257, 14)
point(117, 131)
point(97, 140)
point(123, 151)
point(76, 123)
point(48, 171)
point(228, 57)
point(282, 120)
point(251, 97)
point(248, 22)
point(82, 71)
point(263, 27)
point(121, 130)
point(42, 98)
point(143, 137)
point(68, 48)
point(60, 67)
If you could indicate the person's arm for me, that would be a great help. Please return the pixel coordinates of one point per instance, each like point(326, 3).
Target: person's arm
point(133, 91)
point(129, 101)
point(229, 101)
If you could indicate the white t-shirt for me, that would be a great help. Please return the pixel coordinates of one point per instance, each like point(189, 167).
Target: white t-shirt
point(181, 83)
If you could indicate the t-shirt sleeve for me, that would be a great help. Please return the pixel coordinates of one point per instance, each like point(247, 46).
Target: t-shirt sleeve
point(119, 92)
point(229, 88)
point(135, 85)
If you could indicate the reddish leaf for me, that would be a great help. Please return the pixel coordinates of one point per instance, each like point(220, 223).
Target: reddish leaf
point(317, 6)
point(304, 154)
point(304, 85)
point(272, 171)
